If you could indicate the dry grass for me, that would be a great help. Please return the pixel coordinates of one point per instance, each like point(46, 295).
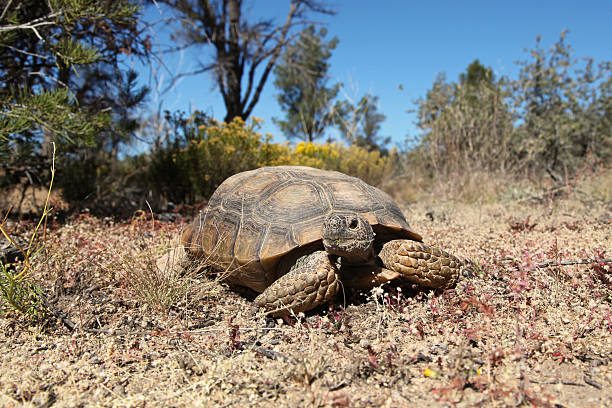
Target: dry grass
point(510, 334)
point(474, 187)
point(592, 185)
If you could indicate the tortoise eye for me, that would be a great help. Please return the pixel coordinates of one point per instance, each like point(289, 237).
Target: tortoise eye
point(353, 223)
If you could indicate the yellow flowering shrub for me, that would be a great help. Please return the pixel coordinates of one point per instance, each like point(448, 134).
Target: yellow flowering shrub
point(203, 152)
point(193, 165)
point(356, 161)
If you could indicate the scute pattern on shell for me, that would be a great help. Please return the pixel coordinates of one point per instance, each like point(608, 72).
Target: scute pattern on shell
point(256, 217)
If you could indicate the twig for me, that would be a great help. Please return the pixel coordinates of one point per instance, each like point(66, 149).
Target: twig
point(70, 325)
point(8, 4)
point(573, 262)
point(549, 263)
point(114, 332)
point(271, 354)
point(33, 24)
point(558, 382)
point(31, 54)
point(592, 382)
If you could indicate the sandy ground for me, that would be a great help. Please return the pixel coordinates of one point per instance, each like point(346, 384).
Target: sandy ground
point(514, 332)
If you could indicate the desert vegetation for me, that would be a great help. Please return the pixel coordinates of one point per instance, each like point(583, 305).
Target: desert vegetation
point(511, 174)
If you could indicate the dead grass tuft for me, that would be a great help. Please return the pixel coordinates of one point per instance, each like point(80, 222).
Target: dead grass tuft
point(159, 288)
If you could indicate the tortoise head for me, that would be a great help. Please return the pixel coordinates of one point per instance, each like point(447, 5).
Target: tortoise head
point(349, 236)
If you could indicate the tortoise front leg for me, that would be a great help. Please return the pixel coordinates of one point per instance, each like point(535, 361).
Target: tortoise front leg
point(312, 281)
point(421, 264)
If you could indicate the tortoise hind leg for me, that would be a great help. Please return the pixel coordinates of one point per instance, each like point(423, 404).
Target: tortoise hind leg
point(421, 264)
point(312, 281)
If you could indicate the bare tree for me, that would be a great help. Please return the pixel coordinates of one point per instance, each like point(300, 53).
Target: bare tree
point(245, 52)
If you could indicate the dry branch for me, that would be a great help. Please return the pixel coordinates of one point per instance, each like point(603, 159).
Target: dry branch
point(549, 263)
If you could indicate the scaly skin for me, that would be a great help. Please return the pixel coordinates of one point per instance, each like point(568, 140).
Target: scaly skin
point(420, 263)
point(314, 278)
point(311, 282)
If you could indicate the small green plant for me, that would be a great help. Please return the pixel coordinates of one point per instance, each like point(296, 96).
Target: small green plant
point(18, 290)
point(19, 293)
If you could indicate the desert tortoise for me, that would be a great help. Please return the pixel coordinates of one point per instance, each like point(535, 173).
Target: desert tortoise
point(295, 233)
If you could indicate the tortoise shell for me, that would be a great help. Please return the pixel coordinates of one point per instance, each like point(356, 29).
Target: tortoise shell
point(256, 217)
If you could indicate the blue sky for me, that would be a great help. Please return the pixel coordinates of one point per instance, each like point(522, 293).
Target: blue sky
point(408, 43)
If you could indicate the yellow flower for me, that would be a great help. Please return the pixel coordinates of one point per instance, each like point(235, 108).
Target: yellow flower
point(430, 373)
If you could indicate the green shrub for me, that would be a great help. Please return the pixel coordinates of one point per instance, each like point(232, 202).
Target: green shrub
point(550, 120)
point(467, 126)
